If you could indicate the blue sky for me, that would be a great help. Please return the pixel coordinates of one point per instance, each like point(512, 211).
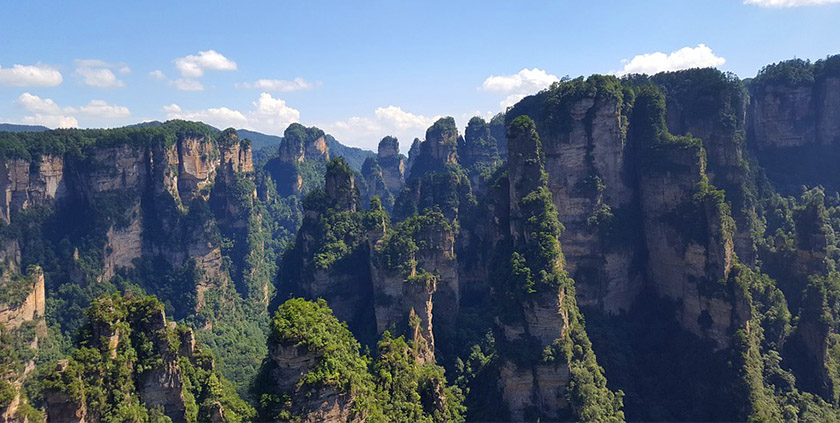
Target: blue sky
point(362, 70)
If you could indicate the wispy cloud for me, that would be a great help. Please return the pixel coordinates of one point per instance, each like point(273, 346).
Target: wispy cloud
point(283, 85)
point(100, 74)
point(187, 84)
point(788, 3)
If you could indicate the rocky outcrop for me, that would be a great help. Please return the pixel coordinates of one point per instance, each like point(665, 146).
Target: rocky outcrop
point(32, 306)
point(339, 277)
point(328, 404)
point(301, 143)
point(61, 406)
point(413, 153)
point(24, 183)
point(392, 164)
point(374, 183)
point(477, 146)
point(295, 375)
point(340, 187)
point(478, 152)
point(439, 149)
point(405, 294)
point(711, 105)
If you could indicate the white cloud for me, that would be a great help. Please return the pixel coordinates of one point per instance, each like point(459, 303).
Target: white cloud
point(526, 80)
point(30, 76)
point(186, 84)
point(401, 119)
point(194, 65)
point(366, 131)
point(270, 115)
point(172, 108)
point(789, 3)
point(157, 74)
point(516, 86)
point(33, 103)
point(98, 73)
point(684, 58)
point(101, 109)
point(99, 77)
point(283, 85)
point(51, 121)
point(221, 117)
point(45, 111)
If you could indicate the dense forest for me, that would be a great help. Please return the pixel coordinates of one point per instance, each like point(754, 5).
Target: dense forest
point(645, 248)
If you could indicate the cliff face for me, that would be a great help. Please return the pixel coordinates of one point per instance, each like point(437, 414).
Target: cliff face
point(328, 404)
point(438, 149)
point(319, 268)
point(139, 184)
point(24, 184)
point(588, 163)
point(301, 147)
point(22, 307)
point(793, 120)
point(392, 163)
point(688, 230)
point(32, 306)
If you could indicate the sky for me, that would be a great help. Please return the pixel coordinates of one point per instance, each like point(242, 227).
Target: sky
point(361, 70)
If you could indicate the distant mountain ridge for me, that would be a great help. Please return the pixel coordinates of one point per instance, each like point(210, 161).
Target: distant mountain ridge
point(353, 155)
point(13, 127)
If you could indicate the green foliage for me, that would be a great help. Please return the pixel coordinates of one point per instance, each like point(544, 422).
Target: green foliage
point(312, 328)
point(551, 108)
point(409, 391)
point(410, 236)
point(393, 387)
point(123, 339)
point(80, 143)
point(14, 288)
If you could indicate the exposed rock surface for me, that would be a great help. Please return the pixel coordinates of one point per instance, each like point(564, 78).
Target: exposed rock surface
point(33, 305)
point(392, 164)
point(587, 161)
point(24, 184)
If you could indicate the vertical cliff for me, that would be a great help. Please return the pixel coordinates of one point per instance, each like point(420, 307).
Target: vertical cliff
point(302, 152)
point(329, 258)
point(687, 226)
point(478, 152)
point(582, 125)
point(556, 364)
point(793, 122)
point(392, 163)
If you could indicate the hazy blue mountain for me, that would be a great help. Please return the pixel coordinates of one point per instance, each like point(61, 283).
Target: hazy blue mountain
point(13, 127)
